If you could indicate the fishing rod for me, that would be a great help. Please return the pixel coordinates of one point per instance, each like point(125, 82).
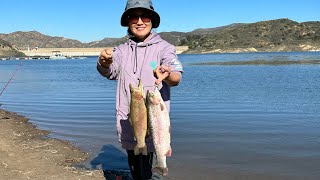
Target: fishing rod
point(19, 65)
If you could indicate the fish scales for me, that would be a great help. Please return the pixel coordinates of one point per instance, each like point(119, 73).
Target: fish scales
point(159, 124)
point(138, 118)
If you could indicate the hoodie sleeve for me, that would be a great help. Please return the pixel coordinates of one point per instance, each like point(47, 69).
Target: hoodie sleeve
point(170, 58)
point(112, 71)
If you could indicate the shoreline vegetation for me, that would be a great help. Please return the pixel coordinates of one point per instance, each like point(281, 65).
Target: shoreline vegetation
point(26, 153)
point(261, 62)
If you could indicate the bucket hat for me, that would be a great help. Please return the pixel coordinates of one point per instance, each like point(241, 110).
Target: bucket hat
point(145, 4)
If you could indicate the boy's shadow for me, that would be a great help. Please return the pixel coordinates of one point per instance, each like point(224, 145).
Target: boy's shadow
point(113, 163)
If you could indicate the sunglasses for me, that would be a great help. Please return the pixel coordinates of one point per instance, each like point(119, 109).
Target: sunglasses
point(134, 18)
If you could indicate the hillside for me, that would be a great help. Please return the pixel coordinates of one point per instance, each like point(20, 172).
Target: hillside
point(273, 35)
point(6, 50)
point(33, 39)
point(106, 42)
point(264, 36)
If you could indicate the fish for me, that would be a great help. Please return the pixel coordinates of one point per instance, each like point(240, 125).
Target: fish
point(138, 118)
point(159, 127)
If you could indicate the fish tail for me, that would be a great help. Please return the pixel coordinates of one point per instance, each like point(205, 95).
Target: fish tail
point(136, 150)
point(160, 170)
point(143, 150)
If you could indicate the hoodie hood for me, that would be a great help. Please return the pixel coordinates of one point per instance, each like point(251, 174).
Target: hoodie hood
point(140, 51)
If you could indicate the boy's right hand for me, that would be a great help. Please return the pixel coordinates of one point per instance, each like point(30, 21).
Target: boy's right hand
point(105, 58)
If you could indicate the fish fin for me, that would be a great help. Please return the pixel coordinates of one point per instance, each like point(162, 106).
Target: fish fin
point(162, 171)
point(162, 107)
point(136, 150)
point(169, 152)
point(144, 150)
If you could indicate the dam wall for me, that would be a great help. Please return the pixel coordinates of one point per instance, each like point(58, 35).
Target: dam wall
point(77, 51)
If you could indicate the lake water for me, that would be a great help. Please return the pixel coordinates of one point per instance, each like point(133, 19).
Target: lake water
point(228, 122)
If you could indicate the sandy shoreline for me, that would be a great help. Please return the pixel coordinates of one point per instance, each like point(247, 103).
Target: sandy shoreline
point(26, 153)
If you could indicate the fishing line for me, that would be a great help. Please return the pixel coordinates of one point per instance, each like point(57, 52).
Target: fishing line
point(19, 65)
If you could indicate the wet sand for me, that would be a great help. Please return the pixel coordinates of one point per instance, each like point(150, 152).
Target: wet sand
point(26, 153)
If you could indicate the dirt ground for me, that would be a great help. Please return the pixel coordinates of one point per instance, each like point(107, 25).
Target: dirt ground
point(26, 153)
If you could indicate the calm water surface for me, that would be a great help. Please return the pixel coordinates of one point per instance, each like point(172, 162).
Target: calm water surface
point(228, 122)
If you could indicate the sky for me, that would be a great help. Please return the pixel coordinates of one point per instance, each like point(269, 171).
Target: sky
point(93, 20)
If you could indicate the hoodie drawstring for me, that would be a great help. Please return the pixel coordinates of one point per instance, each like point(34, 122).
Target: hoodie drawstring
point(144, 59)
point(135, 61)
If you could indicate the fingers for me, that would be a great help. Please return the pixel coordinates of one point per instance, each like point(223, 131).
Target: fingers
point(105, 58)
point(166, 68)
point(157, 69)
point(158, 81)
point(162, 77)
point(108, 51)
point(162, 69)
point(161, 73)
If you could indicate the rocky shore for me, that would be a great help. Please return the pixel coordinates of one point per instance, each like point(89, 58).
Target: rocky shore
point(26, 153)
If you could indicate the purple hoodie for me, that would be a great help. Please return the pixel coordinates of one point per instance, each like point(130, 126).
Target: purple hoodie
point(133, 61)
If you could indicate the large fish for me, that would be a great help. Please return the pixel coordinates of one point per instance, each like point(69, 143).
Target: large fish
point(138, 118)
point(159, 124)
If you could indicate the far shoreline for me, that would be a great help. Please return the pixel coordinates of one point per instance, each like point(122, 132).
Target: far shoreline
point(78, 51)
point(83, 53)
point(261, 62)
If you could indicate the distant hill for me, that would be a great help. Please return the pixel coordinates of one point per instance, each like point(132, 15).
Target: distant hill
point(202, 31)
point(6, 50)
point(273, 35)
point(33, 39)
point(264, 36)
point(175, 38)
point(106, 42)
